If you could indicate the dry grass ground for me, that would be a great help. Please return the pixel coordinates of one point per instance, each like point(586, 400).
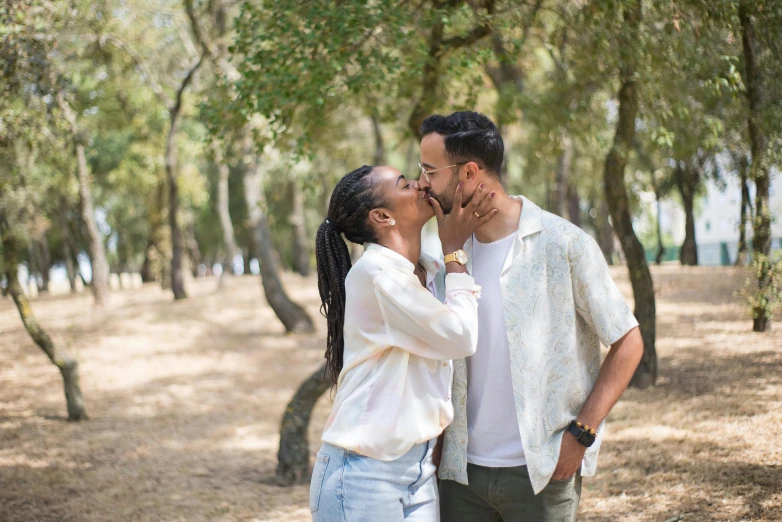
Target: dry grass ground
point(185, 400)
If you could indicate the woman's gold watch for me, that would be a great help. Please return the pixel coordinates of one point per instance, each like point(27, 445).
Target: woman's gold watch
point(460, 256)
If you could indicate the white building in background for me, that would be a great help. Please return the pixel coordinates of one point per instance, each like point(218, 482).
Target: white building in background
point(717, 215)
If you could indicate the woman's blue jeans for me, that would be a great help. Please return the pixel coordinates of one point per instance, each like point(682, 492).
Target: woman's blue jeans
point(349, 487)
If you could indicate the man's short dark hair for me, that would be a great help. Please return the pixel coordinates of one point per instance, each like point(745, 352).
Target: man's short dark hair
point(469, 136)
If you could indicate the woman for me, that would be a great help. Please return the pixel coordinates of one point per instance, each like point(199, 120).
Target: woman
point(389, 346)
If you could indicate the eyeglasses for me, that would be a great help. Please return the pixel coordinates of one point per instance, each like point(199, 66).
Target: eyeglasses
point(425, 173)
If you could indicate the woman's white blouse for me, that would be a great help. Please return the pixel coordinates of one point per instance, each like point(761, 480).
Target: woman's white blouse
point(394, 390)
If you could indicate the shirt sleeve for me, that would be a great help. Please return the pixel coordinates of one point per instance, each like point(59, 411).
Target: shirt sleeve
point(598, 300)
point(417, 322)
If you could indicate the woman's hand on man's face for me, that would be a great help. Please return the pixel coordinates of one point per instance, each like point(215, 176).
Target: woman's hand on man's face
point(456, 227)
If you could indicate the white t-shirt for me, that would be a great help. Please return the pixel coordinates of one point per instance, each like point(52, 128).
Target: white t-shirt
point(493, 438)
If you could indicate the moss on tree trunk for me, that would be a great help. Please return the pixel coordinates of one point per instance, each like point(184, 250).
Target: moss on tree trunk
point(68, 366)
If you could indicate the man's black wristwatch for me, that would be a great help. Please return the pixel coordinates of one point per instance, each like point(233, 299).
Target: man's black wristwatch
point(583, 433)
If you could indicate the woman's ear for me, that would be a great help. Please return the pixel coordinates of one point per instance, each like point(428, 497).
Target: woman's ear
point(381, 217)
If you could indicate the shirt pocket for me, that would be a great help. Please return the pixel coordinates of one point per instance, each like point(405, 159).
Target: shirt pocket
point(318, 474)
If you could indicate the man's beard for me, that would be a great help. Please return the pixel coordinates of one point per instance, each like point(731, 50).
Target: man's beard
point(447, 196)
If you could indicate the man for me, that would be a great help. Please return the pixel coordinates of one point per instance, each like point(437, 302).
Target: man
point(530, 404)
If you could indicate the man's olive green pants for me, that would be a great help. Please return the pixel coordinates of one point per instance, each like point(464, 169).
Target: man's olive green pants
point(505, 494)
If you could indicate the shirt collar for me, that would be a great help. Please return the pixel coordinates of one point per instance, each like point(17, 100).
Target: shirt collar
point(531, 219)
point(530, 222)
point(431, 264)
point(392, 256)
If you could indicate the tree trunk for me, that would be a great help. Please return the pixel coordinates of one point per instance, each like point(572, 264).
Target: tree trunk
point(293, 316)
point(301, 251)
point(156, 266)
point(504, 168)
point(193, 249)
point(100, 267)
point(380, 148)
point(619, 204)
point(688, 255)
point(125, 253)
point(35, 264)
point(247, 257)
point(147, 267)
point(69, 367)
point(559, 196)
point(293, 458)
point(177, 278)
point(660, 248)
point(177, 250)
point(44, 260)
point(508, 80)
point(69, 268)
point(574, 205)
point(761, 323)
point(657, 196)
point(687, 180)
point(77, 264)
point(229, 239)
point(429, 80)
point(746, 210)
point(761, 237)
point(605, 232)
point(67, 244)
point(438, 48)
point(79, 273)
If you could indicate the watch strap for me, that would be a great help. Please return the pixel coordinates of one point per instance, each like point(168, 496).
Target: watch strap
point(584, 436)
point(452, 258)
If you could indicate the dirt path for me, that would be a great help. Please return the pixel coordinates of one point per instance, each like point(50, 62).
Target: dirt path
point(186, 398)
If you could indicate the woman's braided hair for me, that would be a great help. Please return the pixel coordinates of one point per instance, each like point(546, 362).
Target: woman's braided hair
point(353, 198)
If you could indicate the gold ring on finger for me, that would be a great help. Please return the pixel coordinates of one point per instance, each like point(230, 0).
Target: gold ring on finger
point(477, 215)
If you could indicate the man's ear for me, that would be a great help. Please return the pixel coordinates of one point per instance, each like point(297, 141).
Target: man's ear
point(380, 217)
point(471, 171)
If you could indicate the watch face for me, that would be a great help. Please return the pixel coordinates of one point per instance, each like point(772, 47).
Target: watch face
point(586, 438)
point(461, 257)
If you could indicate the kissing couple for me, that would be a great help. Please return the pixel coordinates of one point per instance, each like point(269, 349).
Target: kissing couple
point(480, 368)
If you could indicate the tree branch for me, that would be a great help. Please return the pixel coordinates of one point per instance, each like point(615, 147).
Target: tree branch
point(507, 70)
point(177, 106)
point(187, 42)
point(455, 42)
point(148, 77)
point(208, 47)
point(437, 48)
point(67, 110)
point(195, 26)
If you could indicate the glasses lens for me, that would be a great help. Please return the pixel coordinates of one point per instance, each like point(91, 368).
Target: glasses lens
point(423, 173)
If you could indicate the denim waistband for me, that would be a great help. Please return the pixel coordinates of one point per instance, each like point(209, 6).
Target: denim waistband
point(415, 449)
